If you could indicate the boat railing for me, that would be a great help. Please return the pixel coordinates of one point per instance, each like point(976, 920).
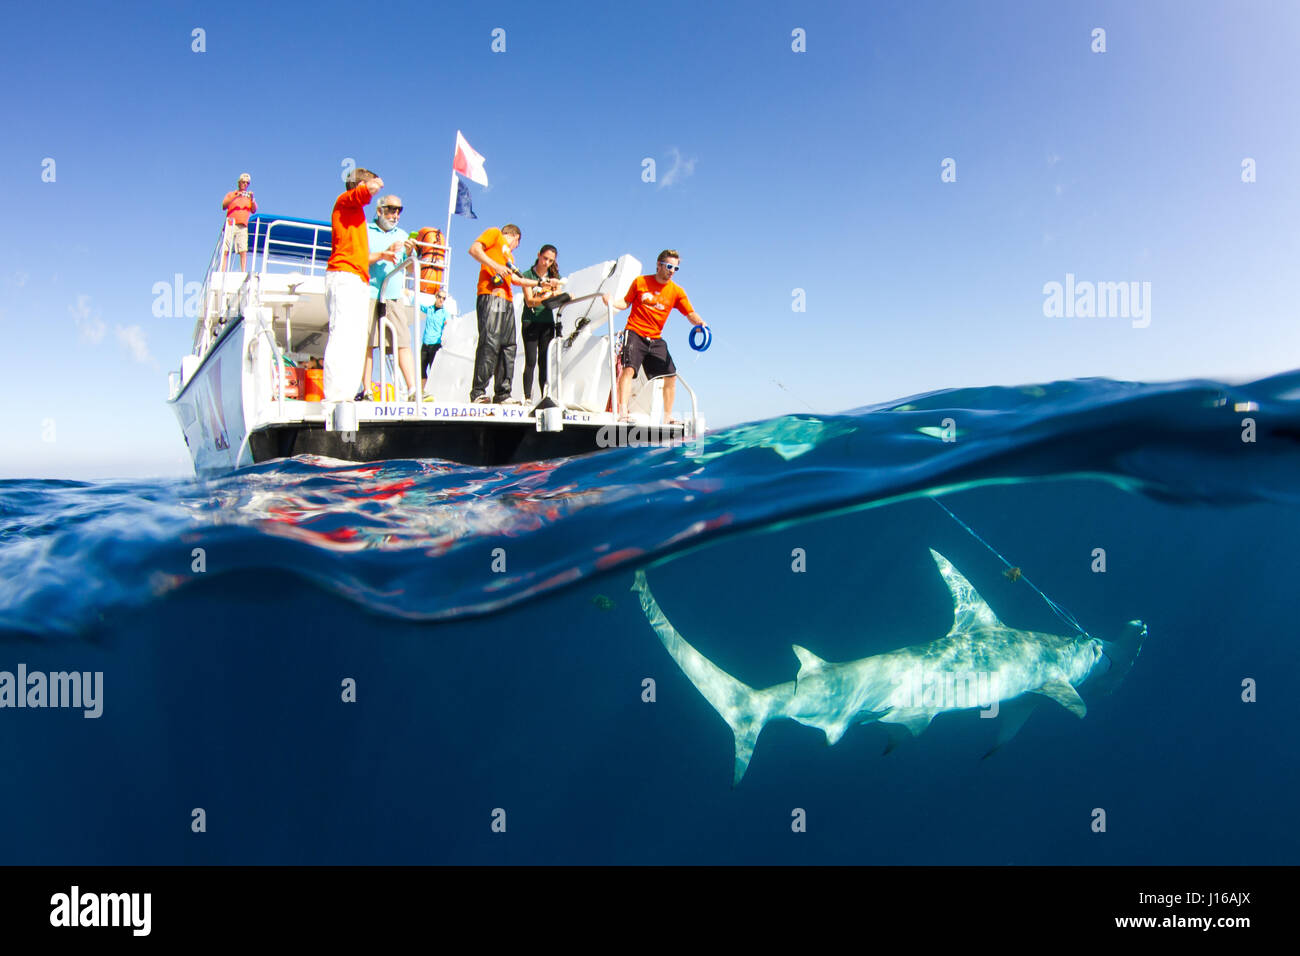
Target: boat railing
point(211, 298)
point(277, 357)
point(695, 407)
point(591, 328)
point(416, 286)
point(612, 359)
point(290, 251)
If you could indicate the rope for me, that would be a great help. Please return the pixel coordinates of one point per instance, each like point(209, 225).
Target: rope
point(1061, 612)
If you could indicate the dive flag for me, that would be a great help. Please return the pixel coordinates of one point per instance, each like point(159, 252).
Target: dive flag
point(467, 162)
point(463, 208)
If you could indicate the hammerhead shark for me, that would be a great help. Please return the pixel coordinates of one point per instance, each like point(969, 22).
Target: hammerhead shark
point(980, 662)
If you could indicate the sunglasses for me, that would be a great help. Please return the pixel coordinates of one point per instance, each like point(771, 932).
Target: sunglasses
point(668, 267)
point(396, 209)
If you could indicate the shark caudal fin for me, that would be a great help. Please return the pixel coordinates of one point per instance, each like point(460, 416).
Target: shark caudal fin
point(744, 709)
point(1121, 653)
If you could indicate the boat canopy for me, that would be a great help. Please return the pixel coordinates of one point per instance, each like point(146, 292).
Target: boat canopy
point(292, 239)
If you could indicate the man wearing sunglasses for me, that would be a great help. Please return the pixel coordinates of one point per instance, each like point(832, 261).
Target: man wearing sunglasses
point(652, 298)
point(389, 246)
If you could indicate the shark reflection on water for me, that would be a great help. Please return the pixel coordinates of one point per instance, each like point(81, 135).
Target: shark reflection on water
point(981, 662)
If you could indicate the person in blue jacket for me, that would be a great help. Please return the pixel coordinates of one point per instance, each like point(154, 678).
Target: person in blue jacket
point(435, 319)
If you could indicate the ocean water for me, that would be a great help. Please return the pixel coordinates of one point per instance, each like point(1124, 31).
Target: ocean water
point(499, 656)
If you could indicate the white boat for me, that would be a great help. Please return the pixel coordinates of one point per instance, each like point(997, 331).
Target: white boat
point(237, 404)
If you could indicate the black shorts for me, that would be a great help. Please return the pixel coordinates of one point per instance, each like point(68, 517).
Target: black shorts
point(639, 351)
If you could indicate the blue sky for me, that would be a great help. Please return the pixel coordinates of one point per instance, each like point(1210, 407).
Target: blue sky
point(816, 170)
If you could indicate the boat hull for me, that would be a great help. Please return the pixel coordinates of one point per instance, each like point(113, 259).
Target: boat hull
point(466, 442)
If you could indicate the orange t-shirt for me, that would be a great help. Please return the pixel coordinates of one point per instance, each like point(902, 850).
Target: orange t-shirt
point(349, 245)
point(494, 244)
point(239, 207)
point(649, 315)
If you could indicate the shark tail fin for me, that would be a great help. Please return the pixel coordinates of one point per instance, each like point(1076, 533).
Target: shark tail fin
point(1121, 653)
point(745, 709)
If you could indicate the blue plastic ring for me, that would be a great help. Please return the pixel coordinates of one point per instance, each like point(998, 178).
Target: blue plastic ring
point(706, 338)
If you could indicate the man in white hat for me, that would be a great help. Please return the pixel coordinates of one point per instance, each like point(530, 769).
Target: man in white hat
point(239, 204)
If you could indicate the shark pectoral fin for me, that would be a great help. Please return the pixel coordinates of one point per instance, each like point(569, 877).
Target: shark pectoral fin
point(809, 663)
point(1064, 694)
point(1014, 713)
point(871, 716)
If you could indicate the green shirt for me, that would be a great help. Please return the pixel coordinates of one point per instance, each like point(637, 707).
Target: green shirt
point(536, 313)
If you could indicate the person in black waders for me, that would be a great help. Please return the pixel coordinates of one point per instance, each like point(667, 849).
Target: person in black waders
point(495, 355)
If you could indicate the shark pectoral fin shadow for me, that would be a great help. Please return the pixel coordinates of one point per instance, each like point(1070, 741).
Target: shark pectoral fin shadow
point(896, 736)
point(914, 720)
point(1014, 713)
point(1064, 694)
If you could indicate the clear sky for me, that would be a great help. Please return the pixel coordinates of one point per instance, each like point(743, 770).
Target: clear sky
point(776, 170)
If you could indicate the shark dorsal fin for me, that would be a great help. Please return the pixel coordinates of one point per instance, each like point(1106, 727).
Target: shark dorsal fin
point(968, 608)
point(809, 663)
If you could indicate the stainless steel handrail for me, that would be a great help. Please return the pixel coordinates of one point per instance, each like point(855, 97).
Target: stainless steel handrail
point(278, 372)
point(609, 320)
point(202, 339)
point(412, 264)
point(315, 246)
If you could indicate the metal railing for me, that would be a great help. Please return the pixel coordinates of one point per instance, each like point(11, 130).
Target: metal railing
point(412, 285)
point(203, 326)
point(610, 336)
point(277, 370)
point(316, 252)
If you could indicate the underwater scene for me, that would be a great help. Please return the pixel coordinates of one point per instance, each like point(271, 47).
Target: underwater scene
point(1032, 625)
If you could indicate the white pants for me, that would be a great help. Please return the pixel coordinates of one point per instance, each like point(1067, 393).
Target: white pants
point(347, 301)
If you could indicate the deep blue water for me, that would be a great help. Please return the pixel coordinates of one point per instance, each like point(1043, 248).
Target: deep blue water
point(521, 688)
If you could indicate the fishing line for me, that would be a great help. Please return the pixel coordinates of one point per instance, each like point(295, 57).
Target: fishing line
point(1061, 612)
point(741, 354)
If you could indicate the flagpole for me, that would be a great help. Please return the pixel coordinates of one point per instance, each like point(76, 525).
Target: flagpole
point(446, 235)
point(451, 205)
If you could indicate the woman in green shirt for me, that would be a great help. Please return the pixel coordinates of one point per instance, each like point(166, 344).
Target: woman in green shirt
point(539, 322)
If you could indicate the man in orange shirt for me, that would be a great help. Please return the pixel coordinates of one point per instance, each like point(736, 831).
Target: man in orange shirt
point(347, 288)
point(239, 204)
point(651, 299)
point(495, 355)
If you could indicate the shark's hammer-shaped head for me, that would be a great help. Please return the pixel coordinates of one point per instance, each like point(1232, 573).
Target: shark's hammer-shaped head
point(1117, 658)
